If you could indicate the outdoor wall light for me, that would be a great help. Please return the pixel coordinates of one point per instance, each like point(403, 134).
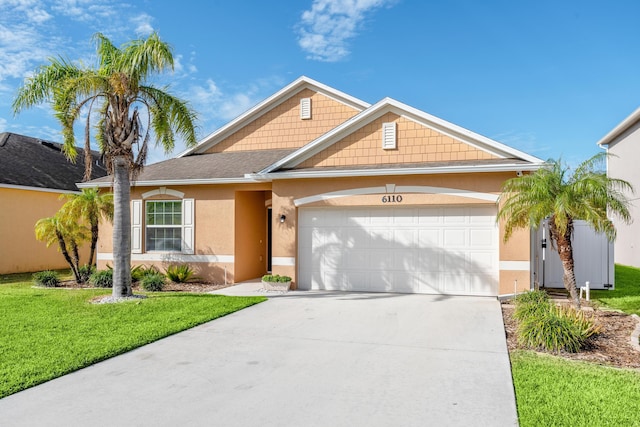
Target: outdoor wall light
point(282, 218)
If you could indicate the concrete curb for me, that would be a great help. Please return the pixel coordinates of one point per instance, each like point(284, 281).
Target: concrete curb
point(635, 335)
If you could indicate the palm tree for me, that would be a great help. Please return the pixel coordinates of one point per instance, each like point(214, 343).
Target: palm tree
point(119, 92)
point(553, 192)
point(89, 206)
point(67, 234)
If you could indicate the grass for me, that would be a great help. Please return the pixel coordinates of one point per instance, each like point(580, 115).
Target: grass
point(552, 391)
point(626, 295)
point(555, 392)
point(47, 333)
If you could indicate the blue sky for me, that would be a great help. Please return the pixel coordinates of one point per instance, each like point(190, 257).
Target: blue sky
point(546, 77)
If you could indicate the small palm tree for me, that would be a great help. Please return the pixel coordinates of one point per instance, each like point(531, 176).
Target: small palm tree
point(68, 234)
point(552, 192)
point(119, 92)
point(89, 206)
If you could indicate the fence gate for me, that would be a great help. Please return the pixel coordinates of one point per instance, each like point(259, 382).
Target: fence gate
point(592, 254)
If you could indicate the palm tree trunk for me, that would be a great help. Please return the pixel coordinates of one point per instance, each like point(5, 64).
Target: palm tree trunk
point(565, 250)
point(75, 257)
point(94, 242)
point(121, 228)
point(65, 254)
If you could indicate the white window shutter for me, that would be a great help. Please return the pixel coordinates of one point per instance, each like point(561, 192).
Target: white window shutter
point(389, 136)
point(305, 108)
point(187, 226)
point(136, 226)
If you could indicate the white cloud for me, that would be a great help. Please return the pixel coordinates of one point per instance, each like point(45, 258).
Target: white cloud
point(216, 106)
point(3, 124)
point(325, 30)
point(143, 24)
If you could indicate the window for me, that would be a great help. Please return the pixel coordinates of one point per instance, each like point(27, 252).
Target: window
point(164, 226)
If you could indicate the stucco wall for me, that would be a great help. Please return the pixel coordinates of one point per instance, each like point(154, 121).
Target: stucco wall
point(19, 249)
point(214, 257)
point(624, 165)
point(282, 127)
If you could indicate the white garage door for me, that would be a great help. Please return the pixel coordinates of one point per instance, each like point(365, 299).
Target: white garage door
point(431, 250)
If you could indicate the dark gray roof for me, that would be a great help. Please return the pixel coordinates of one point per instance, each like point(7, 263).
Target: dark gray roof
point(32, 162)
point(227, 165)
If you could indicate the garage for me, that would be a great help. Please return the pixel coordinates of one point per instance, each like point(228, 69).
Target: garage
point(420, 249)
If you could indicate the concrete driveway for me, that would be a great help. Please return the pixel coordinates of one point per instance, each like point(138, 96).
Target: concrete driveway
point(302, 359)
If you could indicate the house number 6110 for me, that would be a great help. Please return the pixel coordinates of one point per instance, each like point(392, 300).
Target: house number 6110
point(392, 198)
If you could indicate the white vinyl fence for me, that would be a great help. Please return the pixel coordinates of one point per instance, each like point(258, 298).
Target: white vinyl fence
point(592, 253)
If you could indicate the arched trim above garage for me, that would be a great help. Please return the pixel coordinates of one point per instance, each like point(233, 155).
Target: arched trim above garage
point(392, 188)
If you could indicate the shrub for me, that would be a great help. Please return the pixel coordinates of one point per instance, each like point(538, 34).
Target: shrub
point(531, 303)
point(102, 278)
point(152, 282)
point(85, 272)
point(275, 278)
point(180, 273)
point(556, 329)
point(47, 278)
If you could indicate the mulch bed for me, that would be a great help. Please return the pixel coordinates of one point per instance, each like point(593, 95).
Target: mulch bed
point(612, 347)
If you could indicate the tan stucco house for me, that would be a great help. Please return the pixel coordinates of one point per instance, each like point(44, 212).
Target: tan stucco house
point(623, 143)
point(338, 194)
point(33, 175)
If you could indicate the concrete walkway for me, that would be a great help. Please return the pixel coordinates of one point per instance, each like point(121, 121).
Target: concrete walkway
point(299, 359)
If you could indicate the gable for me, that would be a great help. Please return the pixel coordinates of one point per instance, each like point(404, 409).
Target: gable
point(283, 128)
point(416, 143)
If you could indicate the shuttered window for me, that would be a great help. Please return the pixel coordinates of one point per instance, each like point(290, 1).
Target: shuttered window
point(389, 136)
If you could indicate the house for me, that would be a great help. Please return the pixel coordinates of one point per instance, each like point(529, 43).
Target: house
point(338, 194)
point(33, 175)
point(623, 142)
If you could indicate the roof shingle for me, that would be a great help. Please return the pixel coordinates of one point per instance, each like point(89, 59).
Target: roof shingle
point(32, 162)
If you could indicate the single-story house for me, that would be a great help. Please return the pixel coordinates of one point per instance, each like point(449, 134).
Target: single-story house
point(623, 142)
point(338, 194)
point(33, 175)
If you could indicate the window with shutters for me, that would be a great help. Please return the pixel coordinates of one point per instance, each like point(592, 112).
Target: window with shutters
point(164, 226)
point(305, 108)
point(389, 136)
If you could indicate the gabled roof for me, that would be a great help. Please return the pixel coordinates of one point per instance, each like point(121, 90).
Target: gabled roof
point(622, 127)
point(270, 103)
point(32, 162)
point(211, 168)
point(390, 105)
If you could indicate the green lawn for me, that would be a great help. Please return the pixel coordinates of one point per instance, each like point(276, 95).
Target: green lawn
point(46, 333)
point(626, 295)
point(551, 391)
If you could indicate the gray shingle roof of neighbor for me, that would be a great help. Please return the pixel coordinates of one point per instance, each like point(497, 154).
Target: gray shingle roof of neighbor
point(33, 162)
point(226, 165)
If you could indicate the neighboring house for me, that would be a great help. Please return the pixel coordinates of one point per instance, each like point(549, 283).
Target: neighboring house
point(338, 194)
point(623, 142)
point(33, 175)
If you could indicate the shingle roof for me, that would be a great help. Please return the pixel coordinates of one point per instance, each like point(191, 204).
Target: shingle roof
point(32, 162)
point(226, 165)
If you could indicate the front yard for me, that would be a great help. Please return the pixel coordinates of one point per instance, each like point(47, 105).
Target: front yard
point(554, 391)
point(46, 333)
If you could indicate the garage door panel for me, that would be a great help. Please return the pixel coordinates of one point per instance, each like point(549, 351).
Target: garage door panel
point(449, 250)
point(481, 238)
point(406, 238)
point(381, 238)
point(454, 238)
